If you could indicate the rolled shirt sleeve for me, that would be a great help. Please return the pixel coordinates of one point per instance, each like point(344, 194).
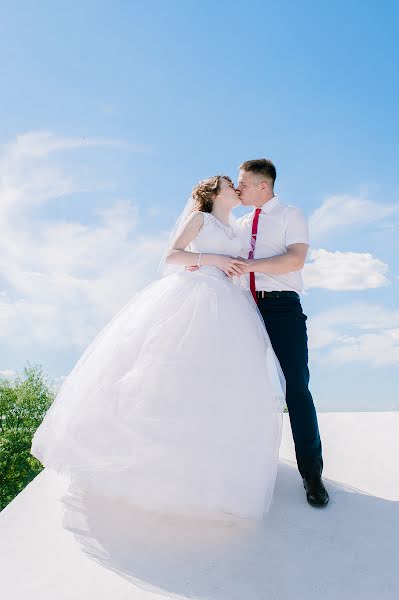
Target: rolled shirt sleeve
point(297, 231)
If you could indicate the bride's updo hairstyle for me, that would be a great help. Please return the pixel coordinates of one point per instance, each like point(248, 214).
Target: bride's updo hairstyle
point(205, 192)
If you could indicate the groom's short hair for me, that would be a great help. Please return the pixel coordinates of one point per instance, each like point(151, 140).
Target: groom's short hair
point(260, 166)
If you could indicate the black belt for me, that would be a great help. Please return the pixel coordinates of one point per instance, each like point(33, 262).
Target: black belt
point(282, 294)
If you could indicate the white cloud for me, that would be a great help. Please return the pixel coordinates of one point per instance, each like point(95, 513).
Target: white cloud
point(8, 374)
point(344, 271)
point(63, 279)
point(356, 333)
point(38, 144)
point(340, 211)
point(28, 178)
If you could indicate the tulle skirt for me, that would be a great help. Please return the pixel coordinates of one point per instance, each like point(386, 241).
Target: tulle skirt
point(176, 405)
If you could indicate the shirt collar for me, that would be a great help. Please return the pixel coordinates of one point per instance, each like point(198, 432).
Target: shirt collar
point(269, 204)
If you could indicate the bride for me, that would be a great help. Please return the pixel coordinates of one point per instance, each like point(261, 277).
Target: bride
point(176, 405)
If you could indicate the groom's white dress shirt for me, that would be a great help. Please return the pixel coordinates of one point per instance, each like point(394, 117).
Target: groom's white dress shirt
point(279, 226)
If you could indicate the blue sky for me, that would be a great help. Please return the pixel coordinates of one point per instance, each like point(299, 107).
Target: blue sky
point(111, 112)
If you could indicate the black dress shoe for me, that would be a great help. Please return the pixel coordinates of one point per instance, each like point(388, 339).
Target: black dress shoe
point(316, 493)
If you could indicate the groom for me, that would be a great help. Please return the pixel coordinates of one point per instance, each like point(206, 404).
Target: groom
point(279, 240)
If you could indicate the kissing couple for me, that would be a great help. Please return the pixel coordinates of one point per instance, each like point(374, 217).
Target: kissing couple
point(177, 404)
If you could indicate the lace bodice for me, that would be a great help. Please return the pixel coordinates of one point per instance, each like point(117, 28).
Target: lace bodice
point(216, 238)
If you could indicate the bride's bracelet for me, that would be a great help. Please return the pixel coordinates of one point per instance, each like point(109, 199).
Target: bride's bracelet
point(199, 260)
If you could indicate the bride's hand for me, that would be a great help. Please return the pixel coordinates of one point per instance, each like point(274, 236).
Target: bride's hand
point(245, 268)
point(229, 265)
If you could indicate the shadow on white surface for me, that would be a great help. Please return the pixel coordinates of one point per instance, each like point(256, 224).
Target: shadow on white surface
point(346, 549)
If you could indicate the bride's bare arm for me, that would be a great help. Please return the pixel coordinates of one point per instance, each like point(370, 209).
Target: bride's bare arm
point(177, 254)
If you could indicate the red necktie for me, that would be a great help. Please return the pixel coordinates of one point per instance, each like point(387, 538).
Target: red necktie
point(251, 252)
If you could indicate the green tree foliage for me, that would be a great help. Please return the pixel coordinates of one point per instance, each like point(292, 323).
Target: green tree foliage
point(24, 401)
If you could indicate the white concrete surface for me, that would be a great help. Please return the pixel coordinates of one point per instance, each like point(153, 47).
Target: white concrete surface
point(60, 543)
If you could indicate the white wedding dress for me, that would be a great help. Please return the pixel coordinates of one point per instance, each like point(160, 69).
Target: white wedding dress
point(176, 405)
